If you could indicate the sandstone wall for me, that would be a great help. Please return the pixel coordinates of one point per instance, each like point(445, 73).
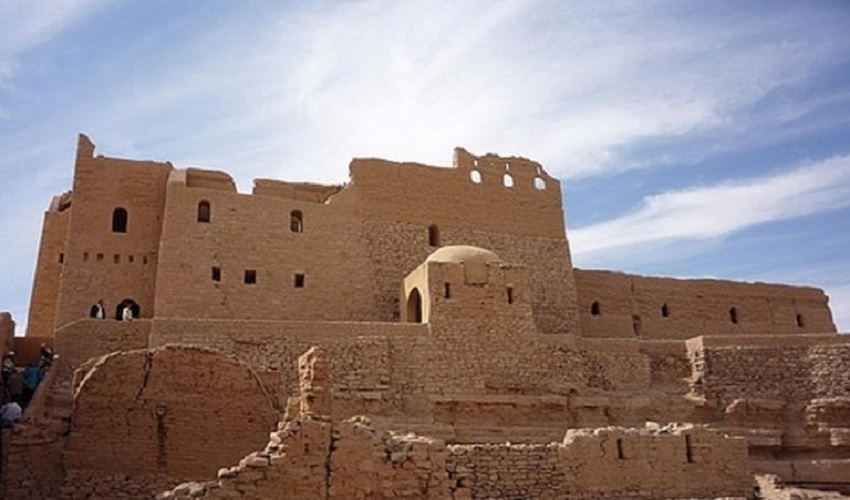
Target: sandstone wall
point(48, 270)
point(88, 338)
point(354, 244)
point(101, 263)
point(144, 420)
point(622, 305)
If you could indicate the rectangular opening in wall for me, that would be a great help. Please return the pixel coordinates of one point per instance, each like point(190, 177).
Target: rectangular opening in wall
point(215, 273)
point(298, 280)
point(620, 455)
point(130, 258)
point(510, 292)
point(250, 276)
point(689, 452)
point(116, 258)
point(85, 256)
point(447, 291)
point(61, 258)
point(99, 257)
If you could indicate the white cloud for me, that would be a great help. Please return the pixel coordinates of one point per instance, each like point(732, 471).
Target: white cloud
point(570, 85)
point(717, 211)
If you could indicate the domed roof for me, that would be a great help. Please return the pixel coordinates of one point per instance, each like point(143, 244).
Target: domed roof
point(460, 254)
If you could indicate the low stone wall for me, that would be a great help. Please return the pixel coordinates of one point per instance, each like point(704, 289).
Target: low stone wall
point(87, 338)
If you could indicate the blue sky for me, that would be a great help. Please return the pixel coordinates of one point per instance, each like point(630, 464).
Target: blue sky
point(692, 138)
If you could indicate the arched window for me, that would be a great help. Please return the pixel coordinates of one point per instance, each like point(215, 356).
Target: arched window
point(665, 311)
point(508, 181)
point(433, 236)
point(119, 220)
point(595, 310)
point(124, 304)
point(733, 315)
point(204, 211)
point(296, 221)
point(414, 307)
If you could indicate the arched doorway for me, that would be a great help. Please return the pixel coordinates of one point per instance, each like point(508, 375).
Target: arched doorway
point(414, 306)
point(119, 309)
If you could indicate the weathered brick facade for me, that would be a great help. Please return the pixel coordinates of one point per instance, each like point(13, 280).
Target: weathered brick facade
point(435, 301)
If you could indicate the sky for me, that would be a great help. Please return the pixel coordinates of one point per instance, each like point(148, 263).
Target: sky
point(691, 138)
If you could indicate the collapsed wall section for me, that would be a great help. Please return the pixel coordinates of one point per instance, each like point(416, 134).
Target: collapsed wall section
point(147, 419)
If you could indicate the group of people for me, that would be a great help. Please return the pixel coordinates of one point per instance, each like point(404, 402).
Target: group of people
point(19, 385)
point(98, 311)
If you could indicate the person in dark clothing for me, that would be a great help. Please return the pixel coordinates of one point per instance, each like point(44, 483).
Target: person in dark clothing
point(46, 356)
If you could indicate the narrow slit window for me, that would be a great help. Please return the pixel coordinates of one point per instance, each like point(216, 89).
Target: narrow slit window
point(62, 261)
point(296, 221)
point(250, 276)
point(216, 273)
point(204, 211)
point(447, 290)
point(433, 236)
point(119, 220)
point(298, 280)
point(689, 452)
point(801, 322)
point(620, 455)
point(509, 291)
point(116, 258)
point(733, 315)
point(665, 311)
point(595, 309)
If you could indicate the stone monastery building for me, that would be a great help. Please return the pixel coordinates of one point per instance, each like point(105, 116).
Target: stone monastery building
point(418, 332)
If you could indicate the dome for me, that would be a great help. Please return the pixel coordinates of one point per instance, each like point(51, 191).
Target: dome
point(461, 254)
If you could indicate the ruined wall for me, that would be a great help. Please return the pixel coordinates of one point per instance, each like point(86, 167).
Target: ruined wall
point(685, 462)
point(355, 244)
point(48, 269)
point(145, 420)
point(786, 394)
point(81, 340)
point(622, 305)
point(794, 369)
point(522, 224)
point(99, 262)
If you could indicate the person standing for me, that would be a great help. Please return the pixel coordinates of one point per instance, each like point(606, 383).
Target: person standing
point(98, 311)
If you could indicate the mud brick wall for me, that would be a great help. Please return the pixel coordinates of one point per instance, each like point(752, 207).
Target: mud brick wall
point(142, 416)
point(613, 304)
point(84, 339)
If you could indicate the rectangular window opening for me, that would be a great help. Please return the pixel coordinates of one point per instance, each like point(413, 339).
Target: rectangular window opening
point(250, 276)
point(448, 291)
point(298, 280)
point(61, 258)
point(689, 452)
point(216, 273)
point(116, 258)
point(510, 292)
point(85, 256)
point(99, 257)
point(620, 455)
